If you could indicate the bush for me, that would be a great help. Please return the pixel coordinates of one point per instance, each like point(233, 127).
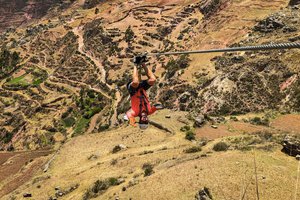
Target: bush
point(190, 135)
point(194, 149)
point(129, 35)
point(220, 146)
point(185, 128)
point(148, 169)
point(69, 121)
point(98, 187)
point(259, 121)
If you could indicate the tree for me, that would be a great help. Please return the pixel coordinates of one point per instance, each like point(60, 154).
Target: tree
point(129, 35)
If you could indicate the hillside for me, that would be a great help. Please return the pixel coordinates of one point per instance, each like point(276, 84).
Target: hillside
point(80, 52)
point(64, 66)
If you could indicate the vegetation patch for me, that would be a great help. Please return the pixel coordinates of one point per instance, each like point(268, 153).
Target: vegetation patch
point(260, 121)
point(174, 65)
point(194, 149)
point(148, 169)
point(8, 62)
point(263, 140)
point(80, 126)
point(221, 146)
point(100, 186)
point(190, 135)
point(69, 121)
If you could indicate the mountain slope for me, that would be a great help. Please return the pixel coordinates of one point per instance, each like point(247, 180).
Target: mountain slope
point(79, 52)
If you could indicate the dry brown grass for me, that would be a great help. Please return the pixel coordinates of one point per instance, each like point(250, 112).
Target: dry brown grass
point(177, 175)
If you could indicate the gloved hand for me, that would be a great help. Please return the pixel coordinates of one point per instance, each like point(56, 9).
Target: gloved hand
point(140, 59)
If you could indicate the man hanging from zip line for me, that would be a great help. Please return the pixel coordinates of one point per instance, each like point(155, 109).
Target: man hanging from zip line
point(140, 105)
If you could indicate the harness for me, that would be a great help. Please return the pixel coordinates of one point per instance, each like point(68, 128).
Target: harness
point(142, 98)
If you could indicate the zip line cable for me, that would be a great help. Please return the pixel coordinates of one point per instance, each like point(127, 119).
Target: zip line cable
point(293, 45)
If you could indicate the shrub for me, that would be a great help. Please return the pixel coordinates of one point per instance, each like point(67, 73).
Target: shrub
point(259, 121)
point(129, 35)
point(194, 149)
point(148, 169)
point(113, 181)
point(220, 146)
point(69, 121)
point(190, 135)
point(99, 187)
point(185, 128)
point(81, 125)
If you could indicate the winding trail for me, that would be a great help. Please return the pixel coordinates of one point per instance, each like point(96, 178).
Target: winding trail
point(114, 121)
point(77, 31)
point(114, 118)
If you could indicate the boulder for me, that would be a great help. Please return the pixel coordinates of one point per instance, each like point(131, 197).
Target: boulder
point(204, 194)
point(291, 145)
point(199, 121)
point(26, 195)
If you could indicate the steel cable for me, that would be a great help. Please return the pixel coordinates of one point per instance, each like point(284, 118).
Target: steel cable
point(293, 45)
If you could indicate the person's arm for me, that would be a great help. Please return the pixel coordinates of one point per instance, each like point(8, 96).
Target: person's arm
point(151, 78)
point(135, 78)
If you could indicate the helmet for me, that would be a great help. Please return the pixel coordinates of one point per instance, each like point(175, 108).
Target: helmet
point(143, 126)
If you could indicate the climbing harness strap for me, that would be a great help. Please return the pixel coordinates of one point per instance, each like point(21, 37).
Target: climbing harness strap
point(143, 101)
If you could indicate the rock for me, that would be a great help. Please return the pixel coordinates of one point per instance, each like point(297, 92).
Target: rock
point(204, 194)
point(214, 126)
point(269, 24)
point(298, 157)
point(199, 121)
point(168, 116)
point(118, 148)
point(57, 188)
point(120, 181)
point(291, 146)
point(26, 195)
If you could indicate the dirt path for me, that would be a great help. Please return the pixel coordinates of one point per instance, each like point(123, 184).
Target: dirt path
point(93, 122)
point(77, 32)
point(114, 118)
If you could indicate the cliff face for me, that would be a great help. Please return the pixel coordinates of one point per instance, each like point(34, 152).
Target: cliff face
point(17, 12)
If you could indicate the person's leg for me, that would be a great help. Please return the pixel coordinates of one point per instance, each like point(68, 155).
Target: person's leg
point(150, 75)
point(131, 117)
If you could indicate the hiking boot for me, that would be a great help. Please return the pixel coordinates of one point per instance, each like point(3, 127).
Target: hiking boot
point(158, 106)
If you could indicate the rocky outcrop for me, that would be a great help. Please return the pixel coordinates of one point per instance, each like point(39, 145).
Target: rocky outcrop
point(291, 145)
point(209, 7)
point(294, 2)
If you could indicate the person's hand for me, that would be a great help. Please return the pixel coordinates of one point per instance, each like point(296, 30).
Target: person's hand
point(132, 121)
point(141, 59)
